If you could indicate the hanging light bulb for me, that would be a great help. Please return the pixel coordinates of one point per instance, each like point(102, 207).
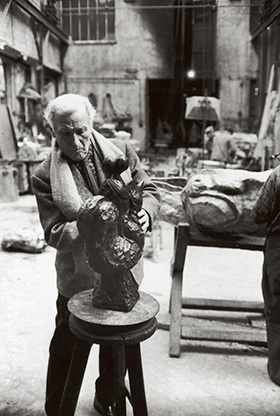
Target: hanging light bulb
point(191, 74)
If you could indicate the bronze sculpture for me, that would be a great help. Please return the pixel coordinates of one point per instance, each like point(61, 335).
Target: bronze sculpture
point(113, 237)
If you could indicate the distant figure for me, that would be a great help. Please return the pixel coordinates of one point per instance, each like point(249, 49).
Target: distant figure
point(220, 145)
point(191, 159)
point(164, 133)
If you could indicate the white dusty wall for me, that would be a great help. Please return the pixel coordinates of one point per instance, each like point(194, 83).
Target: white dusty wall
point(236, 61)
point(142, 50)
point(17, 32)
point(17, 35)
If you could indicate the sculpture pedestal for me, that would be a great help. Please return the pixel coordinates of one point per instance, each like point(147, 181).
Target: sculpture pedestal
point(123, 331)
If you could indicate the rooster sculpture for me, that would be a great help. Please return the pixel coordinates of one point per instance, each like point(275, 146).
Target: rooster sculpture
point(113, 237)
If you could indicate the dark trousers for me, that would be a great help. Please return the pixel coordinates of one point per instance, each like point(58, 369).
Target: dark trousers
point(61, 349)
point(271, 294)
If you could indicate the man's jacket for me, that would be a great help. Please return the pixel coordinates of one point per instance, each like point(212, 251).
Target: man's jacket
point(73, 272)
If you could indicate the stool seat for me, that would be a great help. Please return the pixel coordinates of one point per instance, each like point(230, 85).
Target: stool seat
point(123, 331)
point(96, 334)
point(80, 305)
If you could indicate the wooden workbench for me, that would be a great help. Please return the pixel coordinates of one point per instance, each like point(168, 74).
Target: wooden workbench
point(186, 236)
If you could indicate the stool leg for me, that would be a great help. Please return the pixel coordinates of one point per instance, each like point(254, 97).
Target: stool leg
point(136, 380)
point(74, 378)
point(119, 374)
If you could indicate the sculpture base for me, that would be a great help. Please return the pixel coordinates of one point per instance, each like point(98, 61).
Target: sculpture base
point(117, 292)
point(80, 305)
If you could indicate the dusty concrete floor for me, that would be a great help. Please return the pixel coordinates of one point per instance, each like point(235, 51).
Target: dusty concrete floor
point(220, 379)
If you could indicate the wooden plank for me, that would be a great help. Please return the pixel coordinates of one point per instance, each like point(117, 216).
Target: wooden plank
point(181, 240)
point(265, 116)
point(4, 13)
point(8, 143)
point(175, 315)
point(244, 336)
point(196, 238)
point(180, 248)
point(222, 305)
point(274, 120)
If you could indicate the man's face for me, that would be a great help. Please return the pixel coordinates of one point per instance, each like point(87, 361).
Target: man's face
point(210, 134)
point(73, 132)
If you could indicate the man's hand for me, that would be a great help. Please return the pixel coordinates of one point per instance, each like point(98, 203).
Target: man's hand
point(144, 220)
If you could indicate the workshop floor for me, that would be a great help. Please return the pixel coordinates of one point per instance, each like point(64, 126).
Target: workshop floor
point(209, 379)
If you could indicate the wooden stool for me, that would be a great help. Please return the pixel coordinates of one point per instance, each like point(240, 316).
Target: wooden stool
point(123, 331)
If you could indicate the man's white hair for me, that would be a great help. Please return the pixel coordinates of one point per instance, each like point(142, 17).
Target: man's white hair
point(68, 104)
point(209, 129)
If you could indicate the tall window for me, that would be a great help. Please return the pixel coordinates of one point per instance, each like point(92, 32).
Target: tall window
point(203, 42)
point(88, 20)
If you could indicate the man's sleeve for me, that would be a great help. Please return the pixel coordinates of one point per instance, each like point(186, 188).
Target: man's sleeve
point(263, 208)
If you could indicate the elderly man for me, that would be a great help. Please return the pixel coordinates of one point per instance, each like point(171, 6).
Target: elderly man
point(64, 180)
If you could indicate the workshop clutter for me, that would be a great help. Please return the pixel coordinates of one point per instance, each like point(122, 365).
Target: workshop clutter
point(28, 240)
point(9, 191)
point(20, 154)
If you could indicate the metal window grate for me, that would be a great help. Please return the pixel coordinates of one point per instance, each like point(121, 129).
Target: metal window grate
point(88, 20)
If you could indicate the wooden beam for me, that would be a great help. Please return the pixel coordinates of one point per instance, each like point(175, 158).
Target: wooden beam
point(5, 14)
point(176, 290)
point(266, 23)
point(222, 305)
point(242, 336)
point(254, 243)
point(265, 116)
point(38, 15)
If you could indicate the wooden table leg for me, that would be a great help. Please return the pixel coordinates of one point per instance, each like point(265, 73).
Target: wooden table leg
point(175, 317)
point(176, 290)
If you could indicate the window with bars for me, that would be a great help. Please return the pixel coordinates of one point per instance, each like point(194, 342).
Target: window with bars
point(88, 20)
point(203, 27)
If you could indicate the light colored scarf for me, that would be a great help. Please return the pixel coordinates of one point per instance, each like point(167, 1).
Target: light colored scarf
point(64, 190)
